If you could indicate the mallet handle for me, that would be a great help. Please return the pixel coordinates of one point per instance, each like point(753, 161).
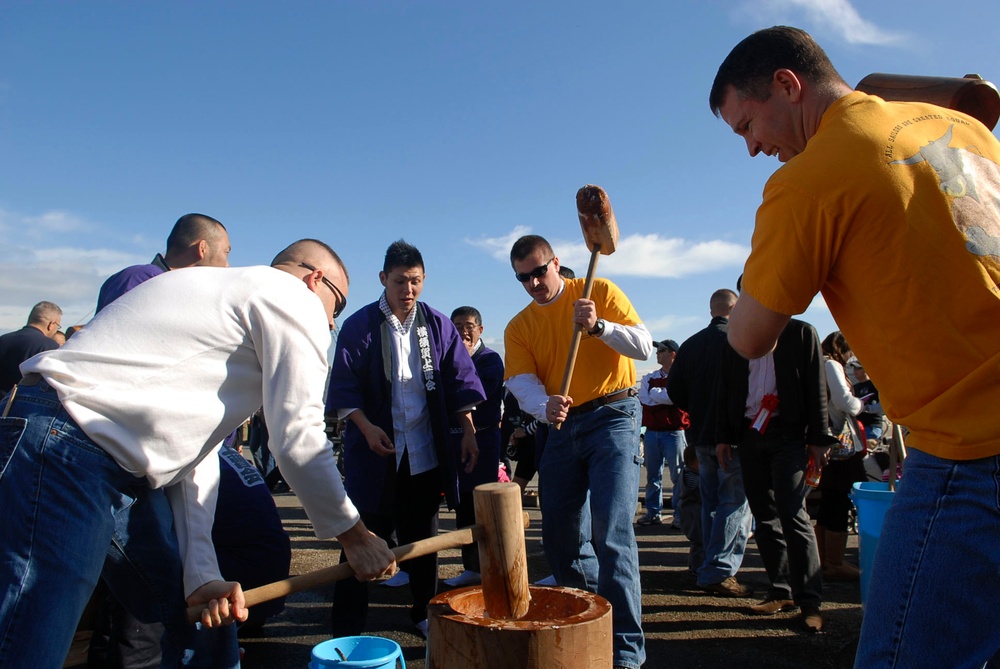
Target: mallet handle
point(574, 346)
point(327, 575)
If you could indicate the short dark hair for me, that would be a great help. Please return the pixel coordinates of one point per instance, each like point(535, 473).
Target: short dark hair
point(566, 272)
point(750, 66)
point(401, 254)
point(462, 312)
point(191, 228)
point(527, 245)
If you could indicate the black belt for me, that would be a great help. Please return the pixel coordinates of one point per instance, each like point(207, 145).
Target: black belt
point(601, 401)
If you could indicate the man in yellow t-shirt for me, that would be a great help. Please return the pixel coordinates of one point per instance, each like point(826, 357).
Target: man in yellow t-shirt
point(595, 454)
point(890, 210)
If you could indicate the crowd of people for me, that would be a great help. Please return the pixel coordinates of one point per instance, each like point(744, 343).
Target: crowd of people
point(112, 444)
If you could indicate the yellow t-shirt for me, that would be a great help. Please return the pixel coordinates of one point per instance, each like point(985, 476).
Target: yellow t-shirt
point(893, 213)
point(537, 341)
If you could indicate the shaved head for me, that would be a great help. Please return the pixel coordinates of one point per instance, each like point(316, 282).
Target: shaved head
point(190, 228)
point(321, 269)
point(722, 302)
point(312, 252)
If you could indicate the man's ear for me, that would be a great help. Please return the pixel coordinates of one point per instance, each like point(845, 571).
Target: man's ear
point(789, 83)
point(202, 249)
point(382, 277)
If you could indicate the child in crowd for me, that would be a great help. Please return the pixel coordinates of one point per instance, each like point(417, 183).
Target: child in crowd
point(690, 511)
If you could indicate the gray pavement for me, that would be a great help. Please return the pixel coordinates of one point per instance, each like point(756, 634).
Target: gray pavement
point(685, 628)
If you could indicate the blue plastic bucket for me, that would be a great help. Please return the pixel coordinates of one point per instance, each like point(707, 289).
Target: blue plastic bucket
point(872, 499)
point(357, 652)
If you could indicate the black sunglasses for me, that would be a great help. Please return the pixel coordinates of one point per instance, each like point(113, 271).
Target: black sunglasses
point(536, 273)
point(341, 300)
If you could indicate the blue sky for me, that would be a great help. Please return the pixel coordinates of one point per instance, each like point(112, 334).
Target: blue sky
point(455, 125)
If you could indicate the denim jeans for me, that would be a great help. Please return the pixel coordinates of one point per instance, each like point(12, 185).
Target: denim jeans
point(68, 515)
point(725, 517)
point(589, 483)
point(935, 582)
point(663, 447)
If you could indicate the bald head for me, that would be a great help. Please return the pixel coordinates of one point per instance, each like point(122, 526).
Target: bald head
point(312, 252)
point(197, 239)
point(722, 303)
point(321, 269)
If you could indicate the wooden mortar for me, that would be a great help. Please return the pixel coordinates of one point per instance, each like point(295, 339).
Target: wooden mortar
point(505, 623)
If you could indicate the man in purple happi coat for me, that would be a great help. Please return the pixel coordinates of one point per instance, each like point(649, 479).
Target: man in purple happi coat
point(401, 375)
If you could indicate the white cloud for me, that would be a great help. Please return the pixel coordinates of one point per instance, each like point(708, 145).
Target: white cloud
point(649, 255)
point(837, 16)
point(33, 268)
point(663, 326)
point(499, 247)
point(56, 221)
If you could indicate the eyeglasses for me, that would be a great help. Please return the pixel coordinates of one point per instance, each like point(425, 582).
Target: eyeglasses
point(341, 299)
point(536, 273)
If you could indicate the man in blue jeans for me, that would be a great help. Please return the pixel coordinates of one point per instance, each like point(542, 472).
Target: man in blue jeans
point(664, 441)
point(588, 476)
point(129, 413)
point(908, 188)
point(725, 514)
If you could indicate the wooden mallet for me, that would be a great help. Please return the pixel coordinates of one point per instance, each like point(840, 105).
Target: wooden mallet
point(494, 537)
point(970, 94)
point(600, 232)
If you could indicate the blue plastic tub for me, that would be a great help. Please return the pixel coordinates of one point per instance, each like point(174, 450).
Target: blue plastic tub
point(872, 499)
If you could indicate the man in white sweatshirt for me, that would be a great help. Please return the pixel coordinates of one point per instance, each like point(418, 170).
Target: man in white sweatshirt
point(130, 411)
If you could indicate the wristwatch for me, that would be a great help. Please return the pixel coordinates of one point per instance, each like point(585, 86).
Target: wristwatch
point(598, 328)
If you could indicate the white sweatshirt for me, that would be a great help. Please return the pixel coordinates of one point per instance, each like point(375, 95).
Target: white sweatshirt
point(169, 369)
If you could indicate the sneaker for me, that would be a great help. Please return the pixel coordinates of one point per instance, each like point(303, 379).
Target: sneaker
point(772, 605)
point(729, 587)
point(422, 628)
point(465, 578)
point(399, 579)
point(650, 519)
point(812, 618)
point(548, 580)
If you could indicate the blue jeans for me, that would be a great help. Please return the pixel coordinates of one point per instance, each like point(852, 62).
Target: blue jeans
point(725, 517)
point(589, 483)
point(935, 583)
point(70, 512)
point(663, 447)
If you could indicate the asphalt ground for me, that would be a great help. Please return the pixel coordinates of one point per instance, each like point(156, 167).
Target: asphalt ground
point(685, 628)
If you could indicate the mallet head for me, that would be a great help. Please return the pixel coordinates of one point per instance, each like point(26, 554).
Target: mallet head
point(600, 229)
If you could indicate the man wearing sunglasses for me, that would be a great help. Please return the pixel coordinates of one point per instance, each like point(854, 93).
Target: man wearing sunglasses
point(595, 454)
point(401, 376)
point(129, 412)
